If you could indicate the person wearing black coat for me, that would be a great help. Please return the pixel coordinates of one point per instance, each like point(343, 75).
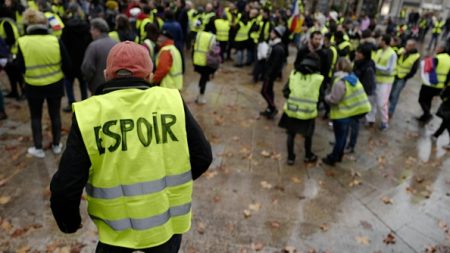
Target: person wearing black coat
point(444, 113)
point(274, 66)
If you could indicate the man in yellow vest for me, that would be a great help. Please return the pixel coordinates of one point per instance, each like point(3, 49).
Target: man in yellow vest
point(407, 65)
point(344, 47)
point(431, 89)
point(204, 43)
point(169, 69)
point(222, 31)
point(436, 32)
point(136, 149)
point(385, 62)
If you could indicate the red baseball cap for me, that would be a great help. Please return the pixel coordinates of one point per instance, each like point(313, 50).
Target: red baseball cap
point(133, 59)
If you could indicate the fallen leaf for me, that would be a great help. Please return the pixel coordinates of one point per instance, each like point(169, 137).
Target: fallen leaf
point(216, 199)
point(4, 200)
point(324, 227)
point(420, 180)
point(387, 201)
point(235, 138)
point(279, 187)
point(201, 228)
point(430, 249)
point(257, 246)
point(364, 240)
point(443, 226)
point(19, 232)
point(6, 226)
point(411, 190)
point(77, 247)
point(275, 224)
point(289, 249)
point(254, 207)
point(191, 250)
point(426, 194)
point(266, 185)
point(23, 249)
point(354, 183)
point(276, 157)
point(247, 213)
point(312, 251)
point(265, 153)
point(296, 180)
point(390, 239)
point(355, 174)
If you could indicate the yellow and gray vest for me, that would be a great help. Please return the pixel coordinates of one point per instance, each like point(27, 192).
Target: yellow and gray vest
point(442, 70)
point(303, 96)
point(437, 28)
point(404, 65)
point(243, 32)
point(202, 45)
point(355, 102)
point(42, 57)
point(343, 45)
point(13, 50)
point(173, 79)
point(222, 29)
point(382, 59)
point(206, 18)
point(140, 183)
point(334, 58)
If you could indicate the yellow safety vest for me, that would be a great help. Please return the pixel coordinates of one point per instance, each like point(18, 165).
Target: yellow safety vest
point(206, 17)
point(222, 29)
point(114, 35)
point(242, 33)
point(193, 18)
point(303, 96)
point(32, 5)
point(202, 45)
point(333, 60)
point(173, 79)
point(140, 184)
point(55, 23)
point(265, 30)
point(442, 69)
point(255, 34)
point(13, 50)
point(343, 45)
point(404, 65)
point(141, 24)
point(423, 23)
point(355, 102)
point(437, 29)
point(42, 57)
point(382, 59)
point(151, 48)
point(58, 9)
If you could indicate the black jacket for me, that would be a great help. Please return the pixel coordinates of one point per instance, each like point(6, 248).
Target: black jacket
point(275, 61)
point(68, 182)
point(365, 71)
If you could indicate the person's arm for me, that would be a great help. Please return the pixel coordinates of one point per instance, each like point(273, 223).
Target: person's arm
point(413, 70)
point(286, 90)
point(199, 148)
point(163, 68)
point(344, 52)
point(337, 93)
point(10, 38)
point(68, 182)
point(390, 66)
point(20, 61)
point(66, 63)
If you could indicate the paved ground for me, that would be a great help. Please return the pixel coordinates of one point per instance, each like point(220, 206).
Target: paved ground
point(393, 195)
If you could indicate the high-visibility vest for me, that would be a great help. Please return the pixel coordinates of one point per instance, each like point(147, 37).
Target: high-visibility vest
point(243, 32)
point(442, 70)
point(355, 102)
point(423, 23)
point(264, 30)
point(404, 65)
point(58, 9)
point(151, 48)
point(114, 35)
point(343, 45)
point(322, 30)
point(206, 17)
point(141, 24)
point(13, 50)
point(303, 96)
point(202, 45)
point(173, 79)
point(437, 29)
point(222, 29)
point(55, 23)
point(193, 17)
point(382, 58)
point(254, 35)
point(32, 5)
point(139, 190)
point(42, 57)
point(334, 58)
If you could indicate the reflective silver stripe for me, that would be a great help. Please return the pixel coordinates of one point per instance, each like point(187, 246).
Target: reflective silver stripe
point(176, 74)
point(43, 66)
point(147, 223)
point(295, 108)
point(354, 94)
point(349, 107)
point(303, 100)
point(44, 75)
point(139, 188)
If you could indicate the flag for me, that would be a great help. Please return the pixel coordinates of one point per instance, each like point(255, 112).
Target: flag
point(295, 26)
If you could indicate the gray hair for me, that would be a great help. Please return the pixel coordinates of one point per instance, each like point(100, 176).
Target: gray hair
point(100, 24)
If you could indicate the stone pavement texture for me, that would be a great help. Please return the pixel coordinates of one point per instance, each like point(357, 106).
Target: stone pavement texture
point(392, 195)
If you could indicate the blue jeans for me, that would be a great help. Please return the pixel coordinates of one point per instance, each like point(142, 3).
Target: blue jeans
point(354, 132)
point(68, 84)
point(240, 56)
point(397, 88)
point(340, 128)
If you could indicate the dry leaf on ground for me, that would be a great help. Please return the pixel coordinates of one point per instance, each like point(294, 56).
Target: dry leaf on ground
point(265, 153)
point(289, 249)
point(390, 239)
point(255, 207)
point(296, 180)
point(364, 240)
point(4, 200)
point(201, 228)
point(387, 201)
point(354, 183)
point(266, 185)
point(324, 227)
point(247, 213)
point(257, 246)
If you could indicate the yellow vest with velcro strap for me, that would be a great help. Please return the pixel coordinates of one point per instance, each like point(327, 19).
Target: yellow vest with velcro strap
point(140, 184)
point(202, 45)
point(13, 50)
point(222, 29)
point(355, 102)
point(382, 58)
point(42, 57)
point(243, 32)
point(343, 45)
point(442, 70)
point(437, 29)
point(173, 79)
point(303, 96)
point(404, 66)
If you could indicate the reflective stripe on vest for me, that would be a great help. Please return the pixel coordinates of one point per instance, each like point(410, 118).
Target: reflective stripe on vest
point(222, 29)
point(382, 59)
point(442, 70)
point(355, 102)
point(242, 33)
point(42, 57)
point(404, 66)
point(303, 96)
point(14, 49)
point(140, 183)
point(202, 45)
point(173, 79)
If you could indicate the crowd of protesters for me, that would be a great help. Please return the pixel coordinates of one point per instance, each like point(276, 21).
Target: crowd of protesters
point(348, 69)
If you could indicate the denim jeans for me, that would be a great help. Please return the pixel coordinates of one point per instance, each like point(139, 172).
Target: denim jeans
point(354, 132)
point(68, 84)
point(240, 56)
point(171, 246)
point(340, 128)
point(397, 88)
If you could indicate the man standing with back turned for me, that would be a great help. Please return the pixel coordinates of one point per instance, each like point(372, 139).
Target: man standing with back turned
point(137, 149)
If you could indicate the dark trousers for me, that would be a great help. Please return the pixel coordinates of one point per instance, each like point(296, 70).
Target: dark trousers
point(14, 77)
point(291, 144)
point(268, 94)
point(444, 125)
point(340, 129)
point(426, 96)
point(354, 132)
point(2, 102)
point(204, 78)
point(68, 84)
point(224, 49)
point(258, 70)
point(54, 106)
point(171, 246)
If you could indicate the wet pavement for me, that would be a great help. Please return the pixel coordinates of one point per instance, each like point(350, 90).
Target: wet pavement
point(392, 195)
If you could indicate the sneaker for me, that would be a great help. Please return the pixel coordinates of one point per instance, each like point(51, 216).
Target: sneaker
point(57, 149)
point(424, 118)
point(328, 161)
point(201, 99)
point(384, 127)
point(36, 152)
point(268, 113)
point(291, 160)
point(447, 147)
point(310, 159)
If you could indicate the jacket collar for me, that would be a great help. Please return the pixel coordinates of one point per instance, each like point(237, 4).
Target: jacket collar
point(122, 83)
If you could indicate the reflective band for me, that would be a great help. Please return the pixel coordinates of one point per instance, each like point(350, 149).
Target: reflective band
point(56, 72)
point(176, 74)
point(349, 107)
point(139, 188)
point(43, 66)
point(202, 51)
point(303, 100)
point(354, 94)
point(295, 108)
point(147, 223)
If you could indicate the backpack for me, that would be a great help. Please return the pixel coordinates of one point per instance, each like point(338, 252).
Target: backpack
point(213, 59)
